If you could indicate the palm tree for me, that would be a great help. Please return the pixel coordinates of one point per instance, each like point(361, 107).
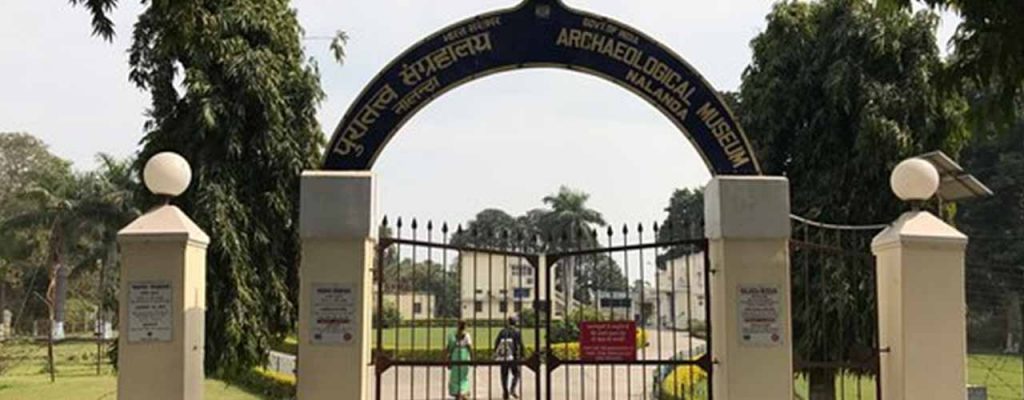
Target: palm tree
point(569, 217)
point(81, 215)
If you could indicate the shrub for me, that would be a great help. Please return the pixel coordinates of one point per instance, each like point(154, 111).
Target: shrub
point(265, 383)
point(687, 382)
point(387, 317)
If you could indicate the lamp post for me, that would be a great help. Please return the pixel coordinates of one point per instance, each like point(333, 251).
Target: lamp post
point(921, 294)
point(167, 175)
point(163, 293)
point(915, 181)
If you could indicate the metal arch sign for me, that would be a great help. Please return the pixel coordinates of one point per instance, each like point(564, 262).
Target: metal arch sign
point(540, 33)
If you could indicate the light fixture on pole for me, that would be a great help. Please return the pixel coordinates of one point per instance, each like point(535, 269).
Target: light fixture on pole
point(914, 180)
point(167, 175)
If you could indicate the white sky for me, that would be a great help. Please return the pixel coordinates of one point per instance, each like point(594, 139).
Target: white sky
point(504, 141)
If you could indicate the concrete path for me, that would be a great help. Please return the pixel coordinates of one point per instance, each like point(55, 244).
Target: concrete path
point(569, 382)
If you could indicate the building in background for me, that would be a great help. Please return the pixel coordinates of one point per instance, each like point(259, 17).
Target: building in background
point(411, 305)
point(682, 293)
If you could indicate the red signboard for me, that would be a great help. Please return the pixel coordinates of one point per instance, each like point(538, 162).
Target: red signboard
point(608, 341)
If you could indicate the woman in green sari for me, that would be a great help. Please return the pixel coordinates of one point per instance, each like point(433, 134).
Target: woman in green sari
point(460, 348)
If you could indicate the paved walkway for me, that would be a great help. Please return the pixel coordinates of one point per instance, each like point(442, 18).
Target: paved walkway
point(569, 382)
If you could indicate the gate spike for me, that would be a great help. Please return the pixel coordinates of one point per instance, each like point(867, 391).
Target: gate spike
point(625, 229)
point(430, 225)
point(610, 231)
point(444, 228)
point(414, 224)
point(640, 227)
point(384, 222)
point(399, 223)
point(655, 227)
point(458, 229)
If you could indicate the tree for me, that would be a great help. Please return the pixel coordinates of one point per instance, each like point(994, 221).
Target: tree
point(490, 228)
point(685, 220)
point(24, 161)
point(988, 51)
point(234, 94)
point(570, 216)
point(837, 93)
point(63, 208)
point(995, 225)
point(570, 224)
point(111, 189)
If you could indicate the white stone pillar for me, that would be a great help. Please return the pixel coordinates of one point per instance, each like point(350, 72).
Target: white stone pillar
point(747, 224)
point(922, 308)
point(337, 227)
point(162, 308)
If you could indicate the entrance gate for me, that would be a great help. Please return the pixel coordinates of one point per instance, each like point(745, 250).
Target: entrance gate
point(560, 288)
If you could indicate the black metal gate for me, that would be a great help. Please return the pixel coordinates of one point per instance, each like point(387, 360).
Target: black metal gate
point(835, 311)
point(429, 278)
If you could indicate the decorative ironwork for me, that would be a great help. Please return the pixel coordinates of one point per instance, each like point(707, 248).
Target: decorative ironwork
point(428, 278)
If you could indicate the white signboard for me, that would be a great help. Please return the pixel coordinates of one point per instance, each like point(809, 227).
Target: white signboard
point(760, 314)
point(150, 317)
point(334, 313)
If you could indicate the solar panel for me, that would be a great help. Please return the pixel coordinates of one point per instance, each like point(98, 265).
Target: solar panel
point(954, 183)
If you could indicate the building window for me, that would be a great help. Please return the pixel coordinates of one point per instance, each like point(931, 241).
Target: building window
point(521, 293)
point(478, 306)
point(519, 306)
point(479, 291)
point(503, 307)
point(417, 308)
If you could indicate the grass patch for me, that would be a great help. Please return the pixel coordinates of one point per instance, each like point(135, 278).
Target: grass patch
point(24, 375)
point(1003, 375)
point(423, 338)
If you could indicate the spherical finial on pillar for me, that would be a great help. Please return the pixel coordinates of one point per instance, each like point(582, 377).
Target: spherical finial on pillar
point(167, 174)
point(914, 179)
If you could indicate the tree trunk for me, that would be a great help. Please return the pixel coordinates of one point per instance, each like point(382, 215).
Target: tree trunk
point(60, 299)
point(822, 384)
point(1012, 303)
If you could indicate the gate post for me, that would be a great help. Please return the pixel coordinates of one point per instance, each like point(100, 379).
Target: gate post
point(748, 229)
point(163, 294)
point(335, 290)
point(922, 308)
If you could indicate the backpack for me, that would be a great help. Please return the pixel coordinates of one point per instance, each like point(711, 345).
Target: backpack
point(505, 350)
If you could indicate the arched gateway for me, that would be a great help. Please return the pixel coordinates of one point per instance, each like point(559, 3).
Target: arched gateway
point(538, 34)
point(646, 339)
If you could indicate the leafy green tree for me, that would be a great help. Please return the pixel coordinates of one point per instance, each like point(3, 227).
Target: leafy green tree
point(234, 94)
point(25, 161)
point(988, 50)
point(685, 220)
point(837, 93)
point(490, 228)
point(112, 189)
point(995, 225)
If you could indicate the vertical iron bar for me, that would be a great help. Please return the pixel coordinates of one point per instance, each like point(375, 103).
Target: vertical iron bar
point(490, 314)
point(643, 303)
point(476, 284)
point(444, 285)
point(413, 328)
point(707, 317)
point(398, 298)
point(549, 310)
point(431, 297)
point(629, 297)
point(381, 250)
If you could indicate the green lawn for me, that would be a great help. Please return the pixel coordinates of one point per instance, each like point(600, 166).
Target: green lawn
point(25, 376)
point(1003, 376)
point(434, 337)
point(423, 338)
